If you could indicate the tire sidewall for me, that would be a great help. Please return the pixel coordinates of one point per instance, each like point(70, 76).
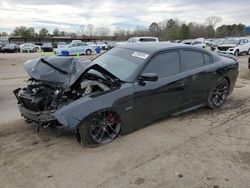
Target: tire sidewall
point(85, 135)
point(210, 103)
point(236, 53)
point(88, 52)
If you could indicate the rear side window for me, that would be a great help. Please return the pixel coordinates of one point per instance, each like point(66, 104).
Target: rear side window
point(164, 64)
point(191, 59)
point(207, 59)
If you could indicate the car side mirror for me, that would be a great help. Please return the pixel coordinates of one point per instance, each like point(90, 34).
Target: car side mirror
point(150, 77)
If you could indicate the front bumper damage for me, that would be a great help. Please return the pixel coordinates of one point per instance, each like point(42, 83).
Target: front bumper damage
point(38, 117)
point(56, 117)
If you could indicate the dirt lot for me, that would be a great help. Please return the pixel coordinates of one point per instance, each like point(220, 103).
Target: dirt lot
point(204, 148)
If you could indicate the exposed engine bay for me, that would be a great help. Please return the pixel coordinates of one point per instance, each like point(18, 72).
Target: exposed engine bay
point(41, 96)
point(56, 82)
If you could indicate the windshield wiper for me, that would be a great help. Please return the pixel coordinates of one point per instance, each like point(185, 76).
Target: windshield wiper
point(54, 67)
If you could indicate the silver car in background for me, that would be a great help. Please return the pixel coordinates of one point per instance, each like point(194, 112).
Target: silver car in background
point(75, 48)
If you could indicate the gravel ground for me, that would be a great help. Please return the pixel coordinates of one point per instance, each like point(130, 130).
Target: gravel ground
point(203, 148)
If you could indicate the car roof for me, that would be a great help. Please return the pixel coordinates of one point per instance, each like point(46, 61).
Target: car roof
point(151, 47)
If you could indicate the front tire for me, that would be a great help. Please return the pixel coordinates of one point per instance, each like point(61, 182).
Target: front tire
point(236, 53)
point(248, 52)
point(219, 94)
point(100, 128)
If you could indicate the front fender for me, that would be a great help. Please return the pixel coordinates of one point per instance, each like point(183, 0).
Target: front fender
point(72, 114)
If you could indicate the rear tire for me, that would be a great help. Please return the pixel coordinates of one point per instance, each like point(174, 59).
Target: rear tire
point(218, 94)
point(100, 128)
point(88, 52)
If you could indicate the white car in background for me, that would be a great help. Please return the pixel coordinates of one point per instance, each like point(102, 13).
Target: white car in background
point(139, 39)
point(234, 46)
point(199, 42)
point(143, 39)
point(75, 48)
point(102, 45)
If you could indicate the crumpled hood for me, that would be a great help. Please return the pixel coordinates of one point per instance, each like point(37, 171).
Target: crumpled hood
point(60, 70)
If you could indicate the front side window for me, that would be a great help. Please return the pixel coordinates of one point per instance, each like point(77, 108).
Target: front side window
point(241, 42)
point(164, 64)
point(191, 59)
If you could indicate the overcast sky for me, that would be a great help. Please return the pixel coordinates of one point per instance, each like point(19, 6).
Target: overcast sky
point(69, 15)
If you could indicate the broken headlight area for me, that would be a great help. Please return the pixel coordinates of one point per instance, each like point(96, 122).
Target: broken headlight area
point(54, 85)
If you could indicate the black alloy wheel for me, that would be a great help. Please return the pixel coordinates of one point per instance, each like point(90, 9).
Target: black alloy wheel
point(219, 94)
point(101, 128)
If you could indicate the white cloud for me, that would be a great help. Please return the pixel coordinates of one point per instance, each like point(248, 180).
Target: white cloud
point(69, 15)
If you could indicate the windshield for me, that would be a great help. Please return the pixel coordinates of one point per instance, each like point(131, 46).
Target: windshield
point(120, 62)
point(231, 41)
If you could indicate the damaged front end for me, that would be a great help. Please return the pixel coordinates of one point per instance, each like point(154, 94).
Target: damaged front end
point(56, 82)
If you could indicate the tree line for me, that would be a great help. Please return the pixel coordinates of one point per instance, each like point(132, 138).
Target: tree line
point(175, 29)
point(171, 29)
point(29, 32)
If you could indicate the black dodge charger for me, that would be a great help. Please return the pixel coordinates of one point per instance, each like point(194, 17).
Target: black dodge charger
point(123, 89)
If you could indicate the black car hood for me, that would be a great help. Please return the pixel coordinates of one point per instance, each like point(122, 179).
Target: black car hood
point(61, 70)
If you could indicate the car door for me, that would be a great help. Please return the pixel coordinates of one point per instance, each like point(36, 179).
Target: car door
point(73, 49)
point(156, 99)
point(81, 48)
point(200, 75)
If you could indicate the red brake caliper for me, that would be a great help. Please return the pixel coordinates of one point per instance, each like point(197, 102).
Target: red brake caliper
point(111, 118)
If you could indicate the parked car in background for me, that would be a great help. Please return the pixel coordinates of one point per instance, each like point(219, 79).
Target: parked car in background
point(143, 39)
point(139, 39)
point(102, 45)
point(124, 89)
point(187, 41)
point(216, 43)
point(10, 48)
point(112, 44)
point(61, 44)
point(199, 44)
point(47, 47)
point(29, 47)
point(75, 48)
point(235, 46)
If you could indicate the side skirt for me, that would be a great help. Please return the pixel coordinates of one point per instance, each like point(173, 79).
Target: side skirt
point(189, 109)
